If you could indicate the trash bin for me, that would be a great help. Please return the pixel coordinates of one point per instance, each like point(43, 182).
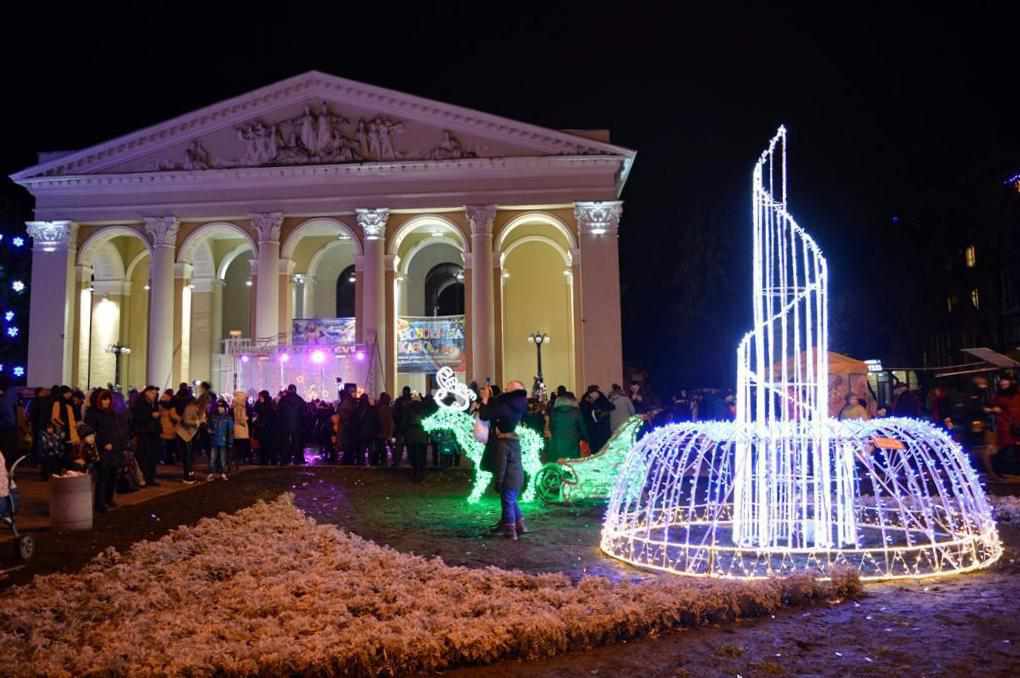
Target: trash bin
point(71, 502)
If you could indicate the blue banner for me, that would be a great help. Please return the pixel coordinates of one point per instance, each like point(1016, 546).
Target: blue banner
point(426, 344)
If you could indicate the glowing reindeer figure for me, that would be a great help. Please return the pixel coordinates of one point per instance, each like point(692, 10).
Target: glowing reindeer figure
point(784, 488)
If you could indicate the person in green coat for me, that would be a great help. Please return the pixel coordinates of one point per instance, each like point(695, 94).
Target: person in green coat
point(567, 428)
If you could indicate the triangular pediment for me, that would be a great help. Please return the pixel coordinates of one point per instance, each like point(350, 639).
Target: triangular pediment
point(318, 119)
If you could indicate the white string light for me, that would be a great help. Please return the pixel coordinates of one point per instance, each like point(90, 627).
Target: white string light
point(449, 386)
point(784, 488)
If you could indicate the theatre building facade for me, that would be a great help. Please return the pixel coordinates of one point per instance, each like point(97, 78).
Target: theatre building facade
point(321, 231)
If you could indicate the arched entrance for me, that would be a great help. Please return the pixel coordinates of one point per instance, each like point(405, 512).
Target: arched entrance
point(213, 298)
point(444, 290)
point(537, 295)
point(429, 297)
point(346, 288)
point(113, 309)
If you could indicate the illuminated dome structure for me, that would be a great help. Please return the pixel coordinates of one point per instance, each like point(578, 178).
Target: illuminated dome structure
point(785, 488)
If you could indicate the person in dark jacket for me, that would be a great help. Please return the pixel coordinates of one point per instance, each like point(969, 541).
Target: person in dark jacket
point(596, 409)
point(38, 416)
point(291, 411)
point(111, 441)
point(146, 427)
point(416, 438)
point(567, 426)
point(384, 432)
point(502, 456)
point(349, 422)
point(221, 437)
point(265, 428)
point(8, 420)
point(368, 426)
point(399, 425)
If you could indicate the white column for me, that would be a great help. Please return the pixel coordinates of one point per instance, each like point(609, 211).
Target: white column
point(308, 298)
point(373, 287)
point(602, 340)
point(201, 361)
point(85, 300)
point(162, 233)
point(217, 315)
point(267, 291)
point(50, 323)
point(483, 332)
point(286, 283)
point(182, 322)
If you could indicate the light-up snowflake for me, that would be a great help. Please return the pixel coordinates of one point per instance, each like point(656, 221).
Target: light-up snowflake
point(784, 488)
point(453, 417)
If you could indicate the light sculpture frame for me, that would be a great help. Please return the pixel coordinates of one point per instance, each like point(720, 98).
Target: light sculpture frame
point(784, 488)
point(453, 417)
point(589, 478)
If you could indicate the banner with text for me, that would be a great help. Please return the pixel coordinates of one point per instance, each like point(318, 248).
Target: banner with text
point(426, 344)
point(323, 331)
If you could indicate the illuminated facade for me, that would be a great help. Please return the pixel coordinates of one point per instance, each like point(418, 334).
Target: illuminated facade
point(784, 488)
point(319, 197)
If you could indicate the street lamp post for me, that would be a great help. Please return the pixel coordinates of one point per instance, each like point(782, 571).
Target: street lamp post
point(538, 339)
point(117, 350)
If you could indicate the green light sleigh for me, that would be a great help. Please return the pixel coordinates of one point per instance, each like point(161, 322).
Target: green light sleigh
point(566, 480)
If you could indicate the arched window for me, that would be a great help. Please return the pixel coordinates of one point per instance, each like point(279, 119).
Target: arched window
point(444, 290)
point(345, 284)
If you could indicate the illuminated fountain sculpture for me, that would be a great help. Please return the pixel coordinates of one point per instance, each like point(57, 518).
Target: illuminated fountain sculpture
point(785, 488)
point(452, 416)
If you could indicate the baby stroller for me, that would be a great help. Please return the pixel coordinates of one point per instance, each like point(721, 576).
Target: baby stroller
point(9, 508)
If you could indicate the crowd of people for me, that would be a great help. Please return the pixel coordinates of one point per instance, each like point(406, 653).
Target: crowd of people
point(123, 440)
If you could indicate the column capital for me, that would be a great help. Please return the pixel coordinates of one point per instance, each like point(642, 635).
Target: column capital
point(481, 217)
point(51, 236)
point(373, 222)
point(268, 225)
point(162, 231)
point(598, 218)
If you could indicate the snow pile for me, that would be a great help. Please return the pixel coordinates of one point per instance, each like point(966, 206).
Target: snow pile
point(268, 591)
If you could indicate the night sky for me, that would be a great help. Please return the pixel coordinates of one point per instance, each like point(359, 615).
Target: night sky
point(892, 114)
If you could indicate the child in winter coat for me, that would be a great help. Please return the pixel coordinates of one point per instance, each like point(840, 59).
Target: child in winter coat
point(221, 437)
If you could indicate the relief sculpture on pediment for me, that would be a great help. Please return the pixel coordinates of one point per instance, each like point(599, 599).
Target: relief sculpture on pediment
point(318, 136)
